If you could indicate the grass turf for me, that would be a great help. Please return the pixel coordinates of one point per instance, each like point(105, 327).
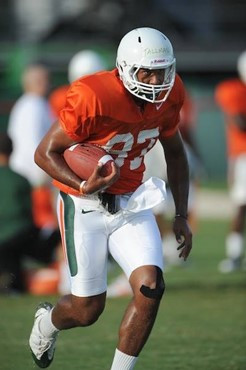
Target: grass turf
point(201, 323)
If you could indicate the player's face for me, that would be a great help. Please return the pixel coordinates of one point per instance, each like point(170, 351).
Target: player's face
point(151, 76)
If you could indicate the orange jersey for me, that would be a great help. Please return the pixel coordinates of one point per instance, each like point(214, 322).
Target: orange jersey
point(57, 99)
point(231, 97)
point(99, 110)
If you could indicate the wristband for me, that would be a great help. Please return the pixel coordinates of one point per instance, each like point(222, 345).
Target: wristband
point(181, 216)
point(81, 187)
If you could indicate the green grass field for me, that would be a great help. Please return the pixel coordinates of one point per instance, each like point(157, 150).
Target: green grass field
point(201, 323)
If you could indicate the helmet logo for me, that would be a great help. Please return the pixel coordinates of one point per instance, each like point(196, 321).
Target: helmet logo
point(148, 51)
point(159, 61)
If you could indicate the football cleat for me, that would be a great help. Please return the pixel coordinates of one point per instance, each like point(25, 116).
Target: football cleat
point(42, 348)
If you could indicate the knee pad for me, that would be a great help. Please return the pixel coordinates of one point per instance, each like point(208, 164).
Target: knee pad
point(157, 292)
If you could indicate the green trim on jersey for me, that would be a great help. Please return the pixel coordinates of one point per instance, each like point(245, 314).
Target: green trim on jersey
point(69, 211)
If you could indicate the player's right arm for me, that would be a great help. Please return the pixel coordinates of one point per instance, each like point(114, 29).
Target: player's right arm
point(49, 156)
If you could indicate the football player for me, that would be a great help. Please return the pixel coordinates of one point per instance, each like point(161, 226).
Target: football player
point(31, 118)
point(125, 111)
point(231, 98)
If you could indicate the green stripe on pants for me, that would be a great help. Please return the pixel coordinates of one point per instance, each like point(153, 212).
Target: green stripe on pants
point(69, 211)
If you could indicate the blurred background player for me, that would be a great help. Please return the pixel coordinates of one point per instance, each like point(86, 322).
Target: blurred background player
point(19, 236)
point(30, 119)
point(82, 63)
point(230, 95)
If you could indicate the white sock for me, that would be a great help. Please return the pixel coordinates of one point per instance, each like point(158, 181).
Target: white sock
point(122, 361)
point(46, 326)
point(234, 245)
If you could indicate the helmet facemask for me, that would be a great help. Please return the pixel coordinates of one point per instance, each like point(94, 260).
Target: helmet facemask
point(154, 93)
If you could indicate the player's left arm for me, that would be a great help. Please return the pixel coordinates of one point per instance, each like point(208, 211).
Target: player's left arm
point(178, 179)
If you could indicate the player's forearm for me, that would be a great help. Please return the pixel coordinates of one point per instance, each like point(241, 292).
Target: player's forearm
point(49, 157)
point(55, 166)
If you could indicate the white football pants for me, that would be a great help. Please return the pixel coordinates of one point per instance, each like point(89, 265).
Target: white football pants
point(89, 233)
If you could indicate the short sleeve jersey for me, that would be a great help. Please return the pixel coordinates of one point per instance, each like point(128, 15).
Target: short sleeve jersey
point(230, 95)
point(99, 110)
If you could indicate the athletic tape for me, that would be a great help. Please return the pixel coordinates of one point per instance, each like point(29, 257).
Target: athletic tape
point(157, 292)
point(105, 159)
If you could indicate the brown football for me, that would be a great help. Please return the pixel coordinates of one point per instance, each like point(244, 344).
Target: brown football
point(82, 158)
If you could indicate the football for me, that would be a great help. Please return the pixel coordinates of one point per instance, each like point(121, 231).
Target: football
point(84, 157)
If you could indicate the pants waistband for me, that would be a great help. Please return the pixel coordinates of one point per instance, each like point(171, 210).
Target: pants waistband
point(112, 203)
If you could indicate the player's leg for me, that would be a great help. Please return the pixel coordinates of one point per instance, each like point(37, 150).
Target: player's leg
point(137, 247)
point(85, 249)
point(85, 246)
point(235, 239)
point(148, 287)
point(234, 242)
point(69, 312)
point(72, 311)
point(139, 316)
point(238, 223)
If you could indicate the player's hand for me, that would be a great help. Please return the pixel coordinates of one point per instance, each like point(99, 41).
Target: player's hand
point(97, 182)
point(183, 236)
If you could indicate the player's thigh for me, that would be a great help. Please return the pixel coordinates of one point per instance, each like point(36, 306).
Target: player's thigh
point(137, 243)
point(85, 246)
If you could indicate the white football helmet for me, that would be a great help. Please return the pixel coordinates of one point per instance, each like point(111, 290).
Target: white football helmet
point(241, 66)
point(83, 63)
point(146, 48)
